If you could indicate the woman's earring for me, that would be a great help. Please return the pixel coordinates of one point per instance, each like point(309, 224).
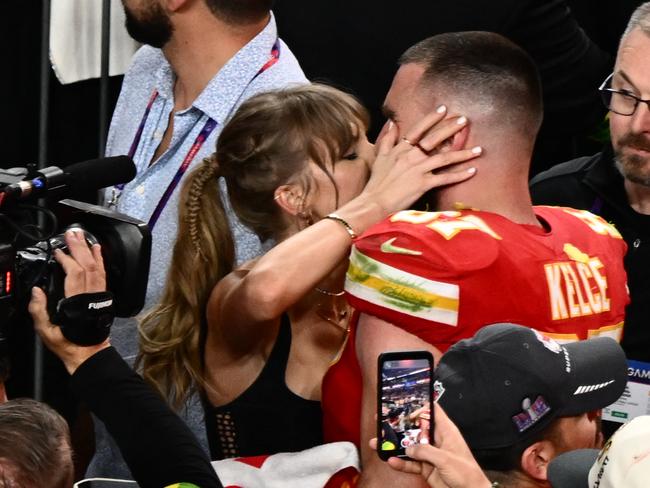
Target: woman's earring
point(305, 216)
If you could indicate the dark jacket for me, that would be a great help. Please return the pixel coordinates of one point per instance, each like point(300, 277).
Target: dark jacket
point(593, 183)
point(158, 447)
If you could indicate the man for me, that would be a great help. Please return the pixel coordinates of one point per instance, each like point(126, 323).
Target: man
point(623, 462)
point(202, 59)
point(35, 451)
point(543, 28)
point(390, 427)
point(519, 399)
point(615, 183)
point(35, 448)
point(427, 280)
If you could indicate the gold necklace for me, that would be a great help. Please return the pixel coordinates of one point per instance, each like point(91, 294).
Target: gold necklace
point(330, 293)
point(334, 315)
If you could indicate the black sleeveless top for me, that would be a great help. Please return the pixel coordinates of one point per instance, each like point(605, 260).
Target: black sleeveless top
point(268, 417)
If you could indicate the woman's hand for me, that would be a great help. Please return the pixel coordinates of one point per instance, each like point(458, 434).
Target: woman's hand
point(84, 270)
point(448, 464)
point(404, 170)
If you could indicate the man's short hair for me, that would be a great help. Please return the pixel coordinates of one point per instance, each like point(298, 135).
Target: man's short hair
point(508, 459)
point(34, 445)
point(482, 68)
point(640, 19)
point(239, 12)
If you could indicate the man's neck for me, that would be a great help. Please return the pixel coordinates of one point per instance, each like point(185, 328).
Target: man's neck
point(510, 199)
point(638, 196)
point(517, 479)
point(199, 49)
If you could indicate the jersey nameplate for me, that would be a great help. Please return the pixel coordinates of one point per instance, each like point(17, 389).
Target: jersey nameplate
point(577, 289)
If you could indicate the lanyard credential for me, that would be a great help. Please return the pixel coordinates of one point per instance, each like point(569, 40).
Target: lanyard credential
point(207, 129)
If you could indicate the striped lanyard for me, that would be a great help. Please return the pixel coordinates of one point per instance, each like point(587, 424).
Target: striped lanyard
point(194, 149)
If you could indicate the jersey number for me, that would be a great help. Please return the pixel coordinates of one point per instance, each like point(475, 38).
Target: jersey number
point(447, 224)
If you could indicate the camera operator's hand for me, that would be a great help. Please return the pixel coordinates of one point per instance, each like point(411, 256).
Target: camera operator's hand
point(84, 269)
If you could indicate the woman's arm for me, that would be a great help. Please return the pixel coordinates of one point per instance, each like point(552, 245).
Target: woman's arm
point(402, 172)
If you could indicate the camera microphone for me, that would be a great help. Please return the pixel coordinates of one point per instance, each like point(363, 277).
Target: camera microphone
point(86, 175)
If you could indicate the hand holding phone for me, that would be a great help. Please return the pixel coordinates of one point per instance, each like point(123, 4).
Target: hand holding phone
point(404, 408)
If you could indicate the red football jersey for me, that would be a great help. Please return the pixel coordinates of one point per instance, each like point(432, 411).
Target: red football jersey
point(443, 275)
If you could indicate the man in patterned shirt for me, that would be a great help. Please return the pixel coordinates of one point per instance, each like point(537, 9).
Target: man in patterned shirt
point(425, 280)
point(201, 60)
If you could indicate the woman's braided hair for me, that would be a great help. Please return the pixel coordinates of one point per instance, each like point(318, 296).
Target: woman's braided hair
point(209, 170)
point(267, 143)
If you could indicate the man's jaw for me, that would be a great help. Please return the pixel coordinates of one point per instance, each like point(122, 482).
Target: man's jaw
point(634, 164)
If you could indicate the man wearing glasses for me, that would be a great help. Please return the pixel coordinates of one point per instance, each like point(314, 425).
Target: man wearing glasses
point(615, 183)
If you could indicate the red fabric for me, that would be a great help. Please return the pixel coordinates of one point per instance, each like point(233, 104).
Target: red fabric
point(346, 478)
point(255, 461)
point(500, 280)
point(341, 397)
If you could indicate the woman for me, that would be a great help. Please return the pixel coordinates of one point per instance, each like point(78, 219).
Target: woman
point(257, 340)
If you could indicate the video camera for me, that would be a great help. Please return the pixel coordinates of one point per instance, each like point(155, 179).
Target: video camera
point(29, 234)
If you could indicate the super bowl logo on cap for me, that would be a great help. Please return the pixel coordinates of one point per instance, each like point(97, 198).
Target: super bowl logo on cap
point(438, 390)
point(531, 414)
point(548, 343)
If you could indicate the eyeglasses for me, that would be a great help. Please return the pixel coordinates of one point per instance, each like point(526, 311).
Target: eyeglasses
point(619, 101)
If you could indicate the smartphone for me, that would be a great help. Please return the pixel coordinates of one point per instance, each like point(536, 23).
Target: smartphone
point(404, 408)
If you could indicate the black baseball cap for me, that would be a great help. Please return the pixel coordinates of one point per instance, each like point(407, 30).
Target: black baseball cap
point(509, 382)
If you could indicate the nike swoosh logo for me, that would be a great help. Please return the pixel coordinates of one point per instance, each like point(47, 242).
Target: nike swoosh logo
point(388, 247)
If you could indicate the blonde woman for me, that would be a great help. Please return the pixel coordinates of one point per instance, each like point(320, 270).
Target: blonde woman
point(256, 341)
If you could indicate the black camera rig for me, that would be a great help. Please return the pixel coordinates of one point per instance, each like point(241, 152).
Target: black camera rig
point(29, 234)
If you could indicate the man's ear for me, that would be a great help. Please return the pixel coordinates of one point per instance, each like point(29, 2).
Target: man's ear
point(457, 141)
point(536, 458)
point(290, 198)
point(175, 5)
point(454, 143)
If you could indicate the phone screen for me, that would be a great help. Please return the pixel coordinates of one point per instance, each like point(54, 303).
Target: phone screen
point(405, 413)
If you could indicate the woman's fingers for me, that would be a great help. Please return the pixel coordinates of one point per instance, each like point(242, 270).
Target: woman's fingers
point(436, 181)
point(415, 133)
point(387, 139)
point(439, 163)
point(425, 126)
point(426, 150)
point(440, 133)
